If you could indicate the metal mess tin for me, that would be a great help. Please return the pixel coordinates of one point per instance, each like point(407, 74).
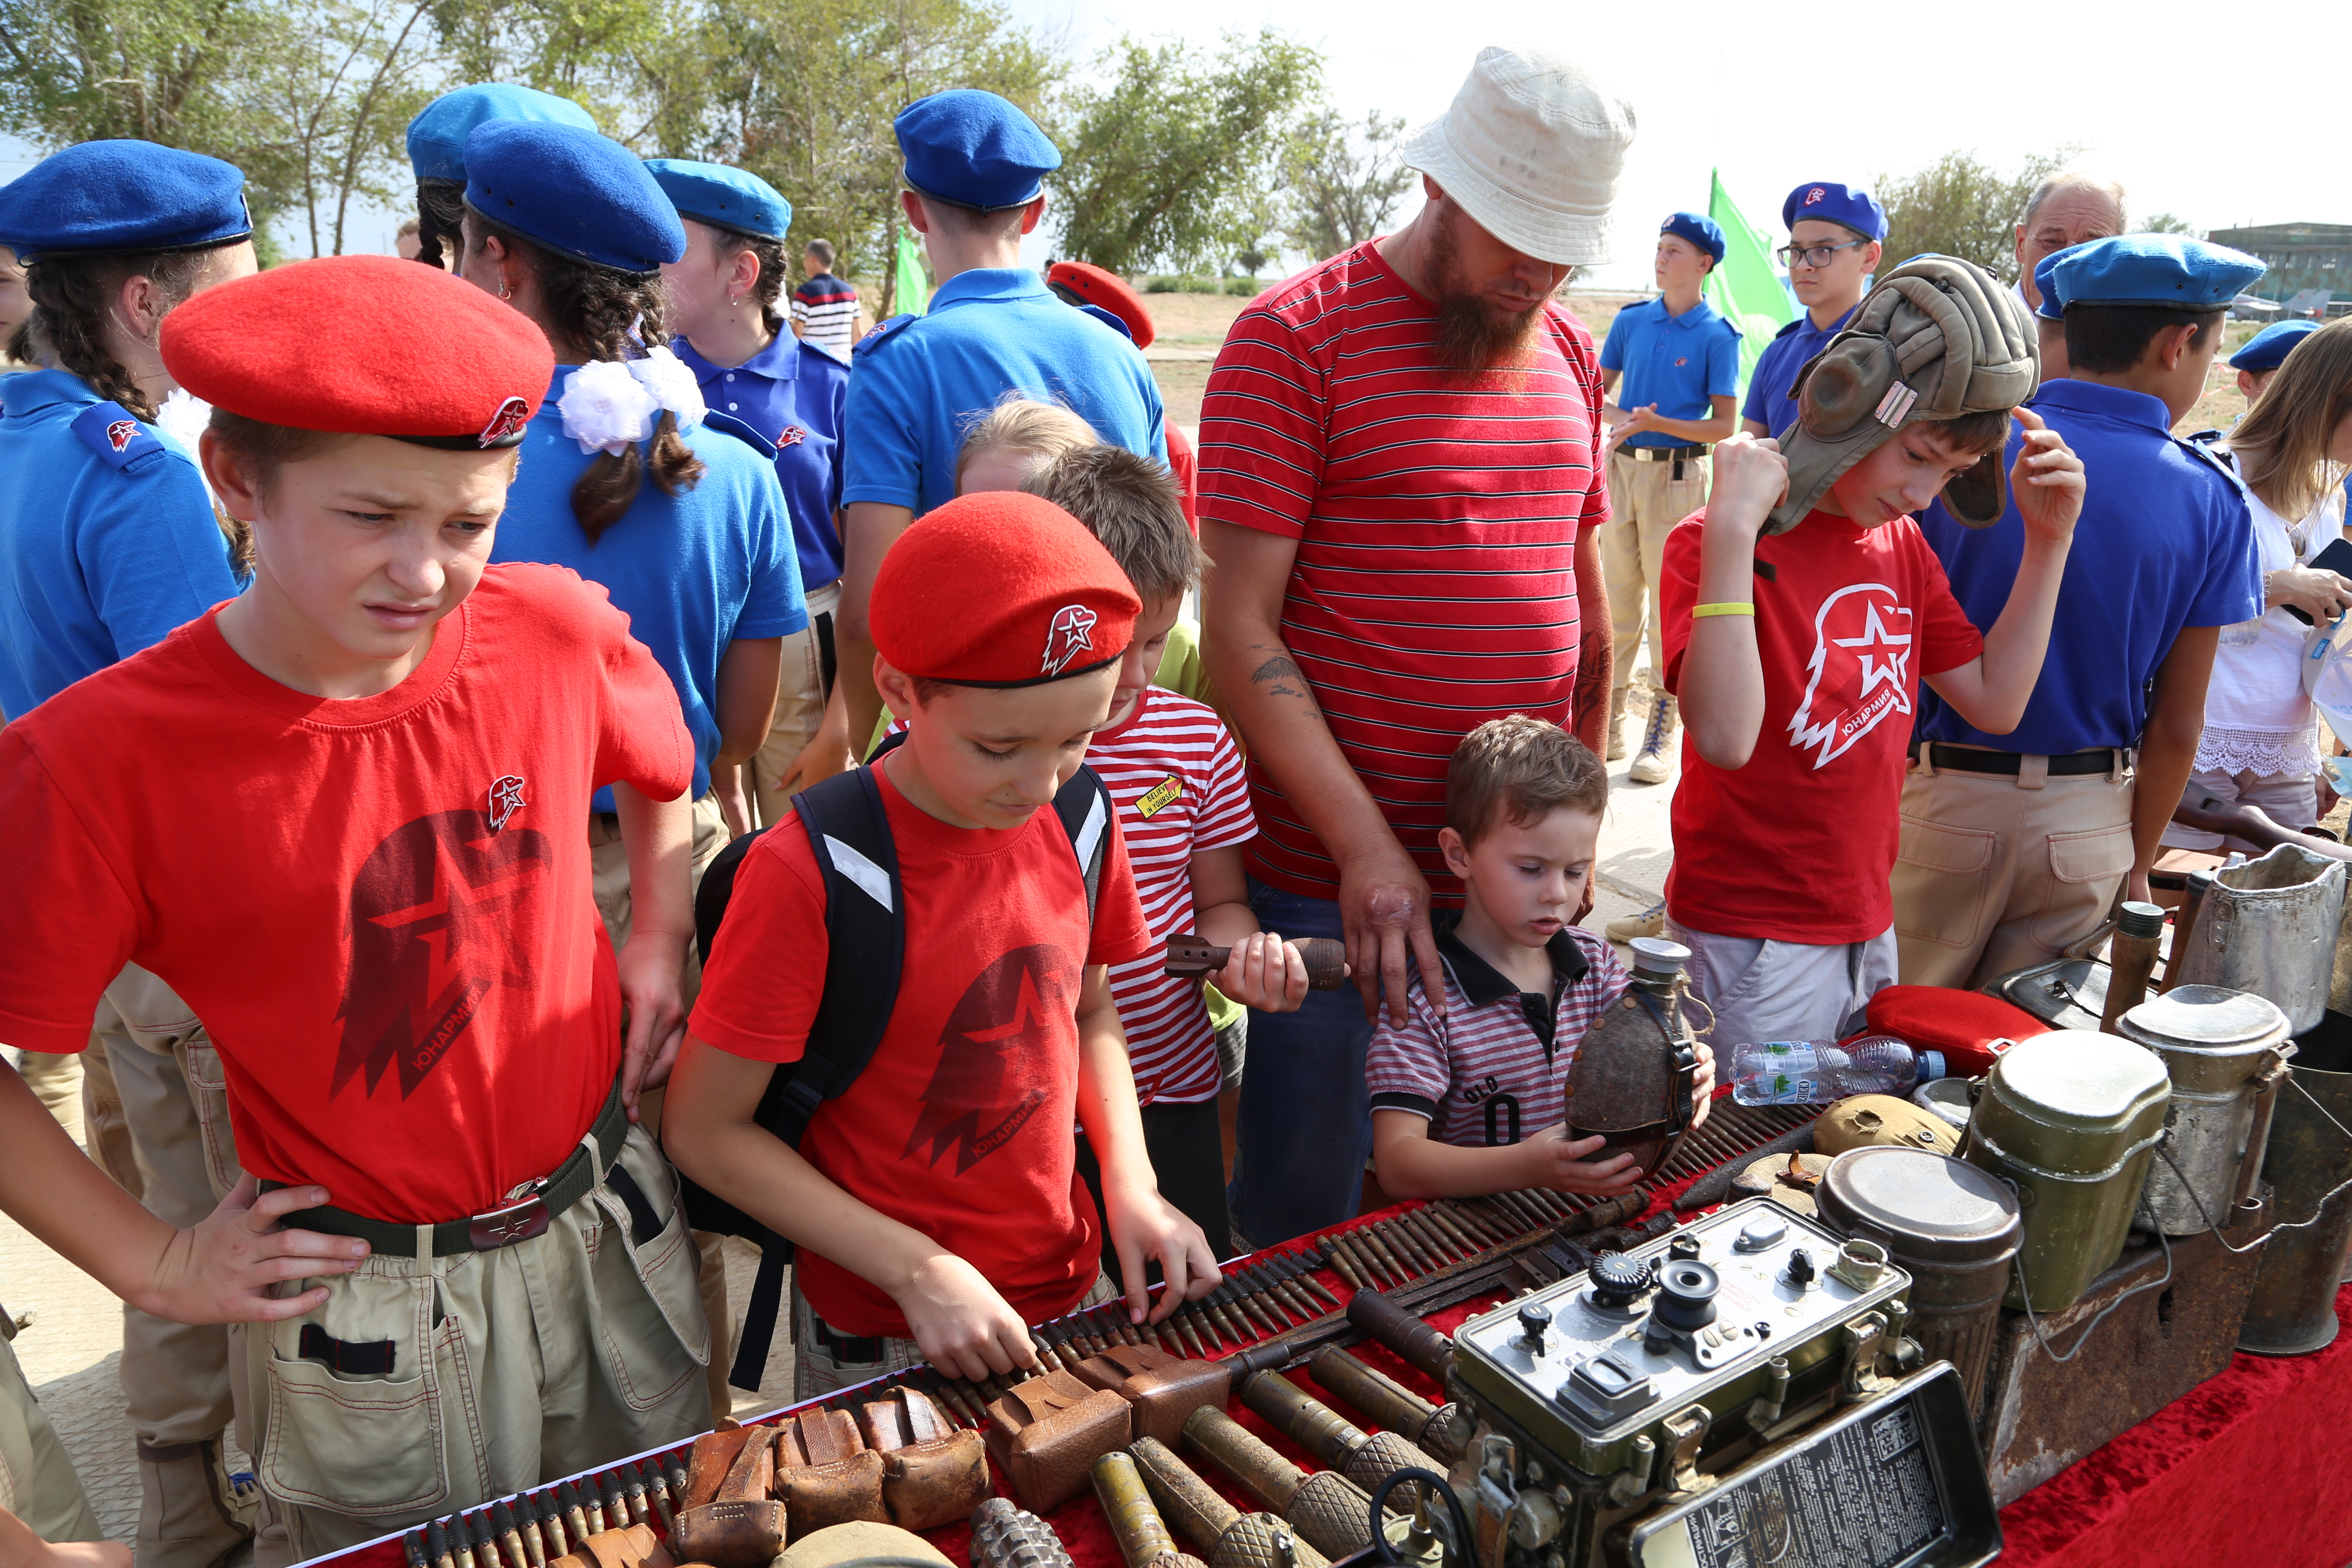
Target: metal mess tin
point(2219, 1048)
point(2071, 1119)
point(2270, 927)
point(1950, 1226)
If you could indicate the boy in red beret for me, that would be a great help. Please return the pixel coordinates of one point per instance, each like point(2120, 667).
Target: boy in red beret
point(935, 1203)
point(367, 876)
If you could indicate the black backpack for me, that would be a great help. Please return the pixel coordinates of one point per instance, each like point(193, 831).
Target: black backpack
point(865, 938)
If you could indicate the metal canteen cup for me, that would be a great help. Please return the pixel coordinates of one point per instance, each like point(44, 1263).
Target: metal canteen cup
point(2293, 1308)
point(2223, 1051)
point(1630, 1081)
point(2270, 926)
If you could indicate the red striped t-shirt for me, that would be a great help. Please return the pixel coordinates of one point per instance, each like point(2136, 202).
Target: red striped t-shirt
point(1176, 779)
point(1436, 517)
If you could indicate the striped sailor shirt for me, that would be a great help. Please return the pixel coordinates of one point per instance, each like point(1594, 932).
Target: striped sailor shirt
point(1176, 779)
point(1437, 515)
point(825, 310)
point(1490, 1071)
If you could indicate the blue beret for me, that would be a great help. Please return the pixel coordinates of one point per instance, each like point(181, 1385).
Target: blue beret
point(1832, 203)
point(436, 137)
point(116, 198)
point(972, 149)
point(1699, 229)
point(2268, 349)
point(573, 191)
point(2154, 269)
point(2045, 283)
point(729, 198)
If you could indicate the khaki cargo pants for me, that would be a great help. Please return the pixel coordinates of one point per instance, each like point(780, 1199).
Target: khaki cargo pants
point(156, 1116)
point(38, 1482)
point(1996, 873)
point(801, 698)
point(1645, 501)
point(578, 1347)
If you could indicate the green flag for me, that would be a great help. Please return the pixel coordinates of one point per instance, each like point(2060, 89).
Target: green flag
point(1744, 286)
point(911, 294)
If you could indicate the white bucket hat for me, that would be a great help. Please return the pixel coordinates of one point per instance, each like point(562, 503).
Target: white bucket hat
point(1531, 148)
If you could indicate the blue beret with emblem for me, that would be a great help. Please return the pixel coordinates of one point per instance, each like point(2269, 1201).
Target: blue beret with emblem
point(2154, 269)
point(2268, 349)
point(972, 149)
point(724, 197)
point(1698, 229)
point(574, 191)
point(436, 137)
point(119, 198)
point(1832, 203)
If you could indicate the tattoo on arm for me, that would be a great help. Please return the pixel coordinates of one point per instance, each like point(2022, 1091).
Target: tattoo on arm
point(1281, 677)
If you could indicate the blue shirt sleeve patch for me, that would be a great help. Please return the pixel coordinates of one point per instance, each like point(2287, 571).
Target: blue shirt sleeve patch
point(110, 430)
point(882, 333)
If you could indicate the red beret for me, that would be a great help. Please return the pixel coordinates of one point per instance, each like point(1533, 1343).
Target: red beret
point(369, 345)
point(1000, 588)
point(1096, 287)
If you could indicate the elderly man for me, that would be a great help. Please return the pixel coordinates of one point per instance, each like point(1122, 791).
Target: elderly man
point(1402, 483)
point(2071, 207)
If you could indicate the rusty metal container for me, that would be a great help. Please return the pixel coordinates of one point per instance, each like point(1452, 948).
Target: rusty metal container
point(2270, 927)
point(2071, 1119)
point(1954, 1229)
point(1632, 1077)
point(2218, 1046)
point(2293, 1307)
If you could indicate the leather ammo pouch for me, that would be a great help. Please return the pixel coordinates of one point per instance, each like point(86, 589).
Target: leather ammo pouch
point(1045, 1435)
point(933, 1473)
point(742, 1526)
point(631, 1546)
point(826, 1473)
point(1161, 1389)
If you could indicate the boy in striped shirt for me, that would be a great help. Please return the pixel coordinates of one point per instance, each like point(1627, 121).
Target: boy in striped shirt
point(1470, 1100)
point(1184, 810)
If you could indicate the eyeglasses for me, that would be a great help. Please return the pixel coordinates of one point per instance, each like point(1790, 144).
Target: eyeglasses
point(1814, 255)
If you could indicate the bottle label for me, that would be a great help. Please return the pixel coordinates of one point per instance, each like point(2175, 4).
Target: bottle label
point(1784, 1072)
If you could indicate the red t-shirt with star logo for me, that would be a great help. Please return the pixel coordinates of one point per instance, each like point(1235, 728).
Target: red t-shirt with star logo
point(380, 907)
point(961, 1125)
point(1798, 844)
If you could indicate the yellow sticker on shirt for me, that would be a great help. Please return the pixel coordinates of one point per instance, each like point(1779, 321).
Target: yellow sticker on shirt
point(1160, 795)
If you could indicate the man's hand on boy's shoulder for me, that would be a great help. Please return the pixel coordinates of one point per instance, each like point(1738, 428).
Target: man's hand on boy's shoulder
point(1576, 1165)
point(1750, 478)
point(2046, 482)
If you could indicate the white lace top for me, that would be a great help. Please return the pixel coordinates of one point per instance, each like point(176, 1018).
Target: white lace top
point(2257, 718)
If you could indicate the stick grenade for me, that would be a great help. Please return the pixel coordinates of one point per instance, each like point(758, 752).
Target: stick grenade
point(1328, 1510)
point(411, 1545)
point(1197, 1512)
point(1142, 1535)
point(437, 1545)
point(1310, 1260)
point(1326, 959)
point(461, 1545)
point(1387, 1404)
point(575, 1513)
point(1364, 1457)
point(1419, 1345)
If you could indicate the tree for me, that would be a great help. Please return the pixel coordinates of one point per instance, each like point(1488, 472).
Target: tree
point(1165, 165)
point(340, 81)
point(1960, 205)
point(2166, 222)
point(1344, 183)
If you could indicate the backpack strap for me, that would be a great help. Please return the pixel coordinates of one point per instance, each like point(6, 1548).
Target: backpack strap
point(1084, 806)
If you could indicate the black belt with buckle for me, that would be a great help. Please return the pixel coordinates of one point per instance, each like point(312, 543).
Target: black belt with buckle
point(1660, 454)
point(525, 1218)
point(1976, 760)
point(847, 1348)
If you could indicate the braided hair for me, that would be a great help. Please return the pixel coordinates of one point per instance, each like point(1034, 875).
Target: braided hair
point(72, 296)
point(600, 313)
point(440, 214)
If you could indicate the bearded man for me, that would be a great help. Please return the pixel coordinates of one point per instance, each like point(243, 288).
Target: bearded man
point(1402, 483)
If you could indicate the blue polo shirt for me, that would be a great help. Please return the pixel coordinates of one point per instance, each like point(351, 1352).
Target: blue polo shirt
point(922, 381)
point(2165, 542)
point(794, 394)
point(1790, 350)
point(106, 537)
point(1679, 362)
point(694, 572)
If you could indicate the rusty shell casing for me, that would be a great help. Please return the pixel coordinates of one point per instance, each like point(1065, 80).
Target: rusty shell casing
point(1254, 1466)
point(1135, 1523)
point(1333, 1513)
point(1630, 1079)
point(1190, 1505)
point(1005, 1536)
point(1262, 1540)
point(1327, 1436)
point(1422, 1346)
point(1326, 960)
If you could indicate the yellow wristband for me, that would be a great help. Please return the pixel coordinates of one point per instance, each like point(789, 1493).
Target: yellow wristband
point(1698, 610)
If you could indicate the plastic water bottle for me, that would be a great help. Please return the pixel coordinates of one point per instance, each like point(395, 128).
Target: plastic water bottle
point(1816, 1072)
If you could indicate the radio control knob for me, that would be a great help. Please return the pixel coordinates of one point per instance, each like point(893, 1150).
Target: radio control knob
point(1617, 1279)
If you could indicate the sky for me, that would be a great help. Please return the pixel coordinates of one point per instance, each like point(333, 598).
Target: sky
point(2152, 92)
